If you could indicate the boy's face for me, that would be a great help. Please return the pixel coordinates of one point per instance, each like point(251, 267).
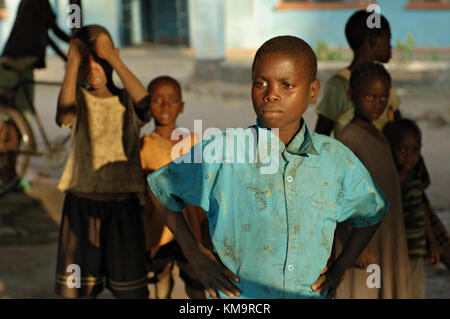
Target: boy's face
point(165, 103)
point(407, 152)
point(282, 91)
point(382, 48)
point(371, 99)
point(93, 73)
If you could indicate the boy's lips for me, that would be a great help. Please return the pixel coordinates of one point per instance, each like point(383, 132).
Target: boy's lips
point(271, 112)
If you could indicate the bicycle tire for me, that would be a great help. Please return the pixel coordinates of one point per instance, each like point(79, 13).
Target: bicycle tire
point(27, 147)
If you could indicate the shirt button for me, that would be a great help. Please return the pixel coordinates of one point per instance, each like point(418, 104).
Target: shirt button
point(289, 179)
point(291, 267)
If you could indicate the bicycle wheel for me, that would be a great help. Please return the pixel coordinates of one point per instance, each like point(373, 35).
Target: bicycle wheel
point(17, 144)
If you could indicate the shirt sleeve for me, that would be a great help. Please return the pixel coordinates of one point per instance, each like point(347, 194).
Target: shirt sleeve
point(334, 101)
point(394, 99)
point(363, 203)
point(142, 109)
point(184, 181)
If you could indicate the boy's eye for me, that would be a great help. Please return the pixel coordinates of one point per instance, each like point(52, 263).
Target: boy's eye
point(260, 84)
point(369, 97)
point(173, 101)
point(402, 150)
point(157, 101)
point(287, 85)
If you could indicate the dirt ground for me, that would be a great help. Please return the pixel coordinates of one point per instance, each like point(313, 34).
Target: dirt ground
point(29, 223)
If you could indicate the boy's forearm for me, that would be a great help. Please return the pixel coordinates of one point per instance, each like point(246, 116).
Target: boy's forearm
point(358, 240)
point(178, 226)
point(67, 95)
point(132, 85)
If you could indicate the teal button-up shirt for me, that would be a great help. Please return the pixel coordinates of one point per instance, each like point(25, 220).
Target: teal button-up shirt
point(274, 230)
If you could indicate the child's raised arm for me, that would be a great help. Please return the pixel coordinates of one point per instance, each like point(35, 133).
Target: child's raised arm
point(210, 272)
point(67, 95)
point(105, 50)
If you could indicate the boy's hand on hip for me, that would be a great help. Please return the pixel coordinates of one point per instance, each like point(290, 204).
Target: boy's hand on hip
point(329, 280)
point(212, 274)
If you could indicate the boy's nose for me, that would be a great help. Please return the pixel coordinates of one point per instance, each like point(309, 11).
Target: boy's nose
point(271, 95)
point(92, 64)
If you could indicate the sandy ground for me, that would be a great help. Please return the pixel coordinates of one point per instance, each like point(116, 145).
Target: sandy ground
point(29, 224)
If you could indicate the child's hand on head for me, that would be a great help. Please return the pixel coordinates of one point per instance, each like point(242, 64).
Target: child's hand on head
point(104, 47)
point(77, 49)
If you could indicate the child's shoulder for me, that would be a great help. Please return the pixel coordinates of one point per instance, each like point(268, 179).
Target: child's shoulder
point(339, 79)
point(332, 150)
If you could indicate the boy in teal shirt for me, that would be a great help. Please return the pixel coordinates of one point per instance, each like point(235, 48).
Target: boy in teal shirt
point(272, 229)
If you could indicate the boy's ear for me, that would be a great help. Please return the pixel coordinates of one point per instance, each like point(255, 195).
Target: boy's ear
point(182, 107)
point(314, 89)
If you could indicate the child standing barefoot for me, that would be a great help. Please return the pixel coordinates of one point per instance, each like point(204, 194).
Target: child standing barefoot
point(405, 139)
point(101, 229)
point(156, 151)
point(369, 90)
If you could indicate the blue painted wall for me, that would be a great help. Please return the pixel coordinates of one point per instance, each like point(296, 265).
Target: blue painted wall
point(251, 22)
point(248, 23)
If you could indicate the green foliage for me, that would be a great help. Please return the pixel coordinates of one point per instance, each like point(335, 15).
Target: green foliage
point(323, 52)
point(406, 47)
point(434, 55)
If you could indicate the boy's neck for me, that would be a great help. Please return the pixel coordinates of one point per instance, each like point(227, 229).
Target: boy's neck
point(288, 133)
point(165, 131)
point(359, 58)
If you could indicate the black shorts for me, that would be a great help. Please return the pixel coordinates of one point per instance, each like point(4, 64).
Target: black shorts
point(171, 253)
point(106, 241)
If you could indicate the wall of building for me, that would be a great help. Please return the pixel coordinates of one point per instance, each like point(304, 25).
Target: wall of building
point(250, 22)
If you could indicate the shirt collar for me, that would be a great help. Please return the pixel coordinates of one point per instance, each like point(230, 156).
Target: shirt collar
point(301, 144)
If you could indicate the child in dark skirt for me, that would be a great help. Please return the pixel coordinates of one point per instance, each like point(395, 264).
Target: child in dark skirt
point(101, 230)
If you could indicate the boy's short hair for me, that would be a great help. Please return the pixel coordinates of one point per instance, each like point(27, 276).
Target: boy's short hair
point(356, 29)
point(164, 79)
point(367, 70)
point(293, 47)
point(395, 131)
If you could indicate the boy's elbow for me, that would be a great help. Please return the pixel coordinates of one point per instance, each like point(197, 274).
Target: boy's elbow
point(65, 116)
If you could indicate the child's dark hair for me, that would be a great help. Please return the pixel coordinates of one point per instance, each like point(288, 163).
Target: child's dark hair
point(293, 47)
point(356, 29)
point(87, 35)
point(368, 70)
point(164, 79)
point(395, 131)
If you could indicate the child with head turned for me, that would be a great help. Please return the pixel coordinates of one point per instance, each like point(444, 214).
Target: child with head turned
point(101, 229)
point(272, 230)
point(406, 141)
point(335, 111)
point(369, 91)
point(156, 151)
